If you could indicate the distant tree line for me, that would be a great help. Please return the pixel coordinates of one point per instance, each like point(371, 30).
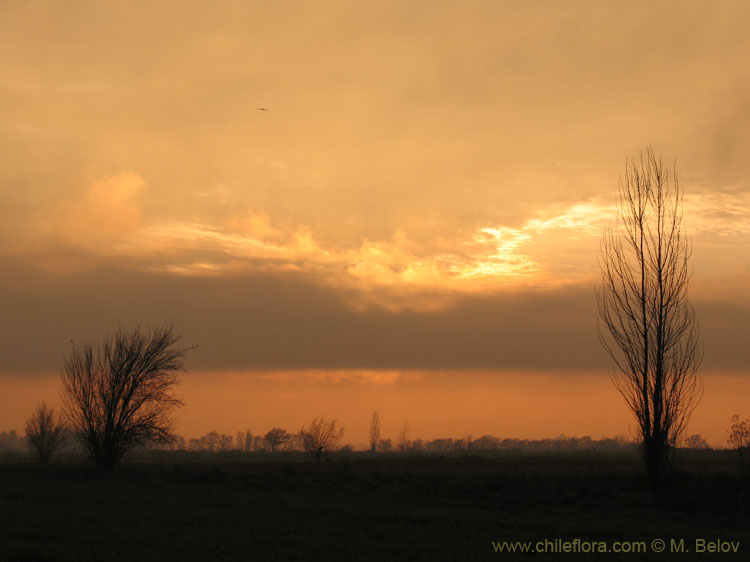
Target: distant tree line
point(11, 442)
point(320, 436)
point(280, 440)
point(13, 445)
point(246, 442)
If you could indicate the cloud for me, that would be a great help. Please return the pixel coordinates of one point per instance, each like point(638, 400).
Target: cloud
point(488, 258)
point(556, 247)
point(460, 119)
point(279, 320)
point(109, 211)
point(343, 377)
point(717, 213)
point(285, 320)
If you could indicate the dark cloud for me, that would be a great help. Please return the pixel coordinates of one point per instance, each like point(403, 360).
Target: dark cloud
point(284, 321)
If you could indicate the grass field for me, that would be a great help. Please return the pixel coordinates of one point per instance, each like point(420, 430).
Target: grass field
point(362, 507)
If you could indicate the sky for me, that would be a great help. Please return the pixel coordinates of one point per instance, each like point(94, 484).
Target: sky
point(412, 226)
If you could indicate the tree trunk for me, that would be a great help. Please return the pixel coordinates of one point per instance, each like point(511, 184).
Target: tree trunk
point(655, 455)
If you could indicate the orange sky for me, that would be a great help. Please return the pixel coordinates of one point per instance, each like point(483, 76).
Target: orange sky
point(426, 193)
point(434, 404)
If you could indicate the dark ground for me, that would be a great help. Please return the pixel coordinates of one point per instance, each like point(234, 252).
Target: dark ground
point(363, 507)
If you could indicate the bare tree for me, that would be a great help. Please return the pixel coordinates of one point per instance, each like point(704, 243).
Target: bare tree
point(276, 438)
point(243, 441)
point(696, 441)
point(464, 443)
point(248, 443)
point(225, 443)
point(321, 435)
point(403, 438)
point(44, 433)
point(647, 324)
point(739, 440)
point(119, 393)
point(374, 431)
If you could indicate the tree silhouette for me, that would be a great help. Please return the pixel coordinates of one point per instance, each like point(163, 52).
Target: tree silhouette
point(403, 438)
point(321, 435)
point(248, 443)
point(374, 431)
point(276, 437)
point(647, 324)
point(739, 439)
point(119, 393)
point(44, 434)
point(696, 441)
point(243, 440)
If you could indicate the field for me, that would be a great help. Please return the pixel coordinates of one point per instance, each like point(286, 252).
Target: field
point(358, 506)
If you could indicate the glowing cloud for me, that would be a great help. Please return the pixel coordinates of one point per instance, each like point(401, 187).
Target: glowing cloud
point(553, 248)
point(107, 212)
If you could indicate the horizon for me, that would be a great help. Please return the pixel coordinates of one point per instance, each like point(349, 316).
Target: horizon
point(250, 401)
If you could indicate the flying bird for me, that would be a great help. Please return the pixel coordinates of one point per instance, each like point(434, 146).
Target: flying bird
point(262, 109)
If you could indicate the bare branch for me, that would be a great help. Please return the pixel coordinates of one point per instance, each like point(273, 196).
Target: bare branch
point(646, 322)
point(374, 431)
point(119, 393)
point(320, 436)
point(44, 433)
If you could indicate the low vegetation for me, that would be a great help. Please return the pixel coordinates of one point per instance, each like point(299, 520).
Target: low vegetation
point(171, 505)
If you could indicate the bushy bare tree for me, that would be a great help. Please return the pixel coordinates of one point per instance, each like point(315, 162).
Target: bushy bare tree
point(119, 392)
point(44, 433)
point(374, 431)
point(320, 436)
point(739, 440)
point(696, 441)
point(647, 325)
point(276, 438)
